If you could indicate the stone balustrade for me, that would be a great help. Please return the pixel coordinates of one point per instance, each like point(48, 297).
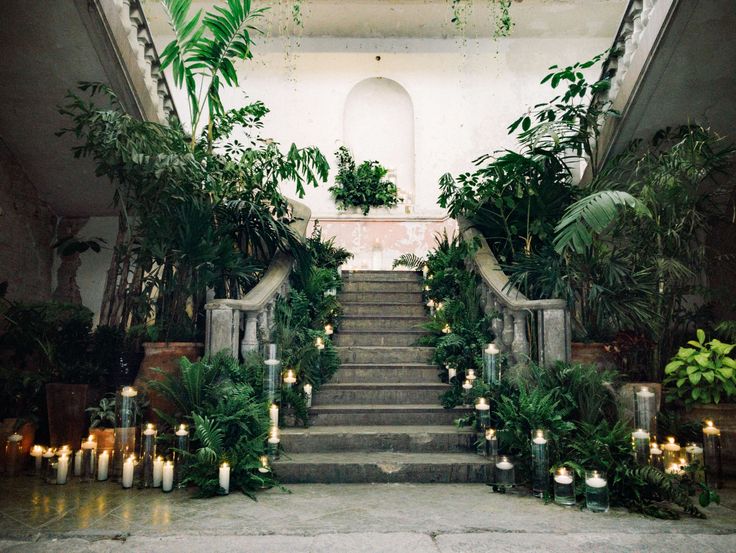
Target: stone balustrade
point(254, 314)
point(528, 330)
point(128, 30)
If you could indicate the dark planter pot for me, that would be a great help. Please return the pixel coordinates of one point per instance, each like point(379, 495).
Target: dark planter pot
point(65, 404)
point(593, 353)
point(724, 417)
point(164, 356)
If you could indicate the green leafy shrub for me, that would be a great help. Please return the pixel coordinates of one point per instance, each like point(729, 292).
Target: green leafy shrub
point(363, 186)
point(703, 373)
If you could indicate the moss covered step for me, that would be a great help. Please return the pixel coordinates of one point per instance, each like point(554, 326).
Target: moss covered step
point(392, 373)
point(384, 354)
point(410, 439)
point(364, 309)
point(384, 414)
point(381, 467)
point(382, 322)
point(382, 276)
point(374, 286)
point(379, 393)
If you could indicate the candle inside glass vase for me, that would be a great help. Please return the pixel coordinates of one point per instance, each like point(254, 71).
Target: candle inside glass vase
point(89, 459)
point(671, 451)
point(491, 443)
point(540, 462)
point(645, 409)
point(180, 454)
point(640, 444)
point(656, 457)
point(564, 487)
point(289, 379)
point(37, 454)
point(504, 472)
point(148, 453)
point(273, 443)
point(126, 424)
point(712, 455)
point(224, 478)
point(483, 412)
point(491, 372)
point(308, 394)
point(128, 475)
point(596, 491)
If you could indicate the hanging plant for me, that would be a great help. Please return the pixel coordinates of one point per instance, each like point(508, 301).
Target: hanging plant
point(362, 186)
point(500, 16)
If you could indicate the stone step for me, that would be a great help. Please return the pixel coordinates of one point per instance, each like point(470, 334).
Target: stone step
point(410, 439)
point(378, 286)
point(385, 338)
point(389, 373)
point(379, 393)
point(348, 298)
point(384, 354)
point(410, 309)
point(384, 467)
point(384, 414)
point(377, 322)
point(382, 276)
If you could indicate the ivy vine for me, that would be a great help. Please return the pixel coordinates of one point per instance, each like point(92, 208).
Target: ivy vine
point(500, 16)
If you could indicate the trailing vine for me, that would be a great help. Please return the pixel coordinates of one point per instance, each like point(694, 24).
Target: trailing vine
point(500, 11)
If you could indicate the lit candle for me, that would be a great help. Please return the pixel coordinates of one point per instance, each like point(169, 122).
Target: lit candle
point(103, 465)
point(158, 471)
point(640, 441)
point(308, 394)
point(596, 492)
point(671, 451)
point(225, 477)
point(504, 472)
point(673, 468)
point(290, 378)
point(712, 455)
point(88, 459)
point(150, 430)
point(563, 477)
point(264, 468)
point(37, 454)
point(440, 306)
point(63, 469)
point(492, 349)
point(128, 391)
point(273, 414)
point(128, 472)
point(183, 430)
point(273, 442)
point(540, 463)
point(427, 288)
point(329, 330)
point(425, 271)
point(539, 438)
point(710, 429)
point(167, 476)
point(451, 372)
point(471, 375)
point(446, 329)
point(319, 343)
point(65, 450)
point(491, 443)
point(467, 385)
point(645, 412)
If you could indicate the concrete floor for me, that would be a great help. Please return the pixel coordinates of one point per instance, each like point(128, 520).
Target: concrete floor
point(421, 518)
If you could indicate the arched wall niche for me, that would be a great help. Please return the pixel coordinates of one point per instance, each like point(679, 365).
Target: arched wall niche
point(378, 123)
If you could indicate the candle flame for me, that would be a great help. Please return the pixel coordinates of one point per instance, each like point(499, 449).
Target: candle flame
point(562, 471)
point(670, 439)
point(90, 438)
point(149, 426)
point(709, 423)
point(224, 465)
point(490, 433)
point(182, 427)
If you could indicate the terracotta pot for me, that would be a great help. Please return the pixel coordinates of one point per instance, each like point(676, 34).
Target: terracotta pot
point(593, 353)
point(67, 420)
point(724, 417)
point(105, 438)
point(164, 356)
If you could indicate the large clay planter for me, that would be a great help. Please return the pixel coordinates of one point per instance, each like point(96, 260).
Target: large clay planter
point(67, 420)
point(593, 353)
point(164, 356)
point(724, 417)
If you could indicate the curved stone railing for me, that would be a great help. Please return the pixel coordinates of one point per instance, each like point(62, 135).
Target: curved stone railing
point(127, 26)
point(255, 312)
point(514, 314)
point(636, 40)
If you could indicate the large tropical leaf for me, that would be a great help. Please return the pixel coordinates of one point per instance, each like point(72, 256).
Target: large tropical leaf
point(592, 215)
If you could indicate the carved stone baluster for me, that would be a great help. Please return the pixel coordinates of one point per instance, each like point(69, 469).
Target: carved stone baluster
point(263, 326)
point(250, 336)
point(507, 334)
point(497, 326)
point(520, 344)
point(271, 310)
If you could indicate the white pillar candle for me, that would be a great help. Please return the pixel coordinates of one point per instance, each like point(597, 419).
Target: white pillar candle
point(329, 330)
point(640, 434)
point(225, 477)
point(446, 329)
point(482, 405)
point(504, 464)
point(425, 271)
point(63, 469)
point(471, 375)
point(158, 471)
point(596, 481)
point(103, 465)
point(451, 373)
point(467, 385)
point(308, 394)
point(290, 377)
point(319, 343)
point(273, 414)
point(710, 429)
point(128, 472)
point(563, 477)
point(37, 454)
point(167, 476)
point(183, 430)
point(539, 439)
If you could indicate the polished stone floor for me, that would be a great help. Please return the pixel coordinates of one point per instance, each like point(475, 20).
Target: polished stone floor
point(437, 518)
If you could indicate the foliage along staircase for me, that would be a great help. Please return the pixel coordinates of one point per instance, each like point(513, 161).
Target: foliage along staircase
point(380, 418)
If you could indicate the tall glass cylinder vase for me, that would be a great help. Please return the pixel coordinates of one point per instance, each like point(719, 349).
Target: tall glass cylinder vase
point(504, 472)
point(656, 456)
point(89, 459)
point(491, 369)
point(671, 453)
point(126, 428)
point(272, 373)
point(273, 443)
point(482, 413)
point(48, 459)
point(640, 443)
point(645, 409)
point(13, 454)
point(181, 447)
point(491, 443)
point(148, 454)
point(564, 487)
point(596, 491)
point(712, 455)
point(540, 462)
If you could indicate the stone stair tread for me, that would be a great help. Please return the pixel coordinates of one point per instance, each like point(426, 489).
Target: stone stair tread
point(381, 457)
point(382, 331)
point(387, 407)
point(371, 348)
point(381, 317)
point(376, 429)
point(383, 385)
point(387, 365)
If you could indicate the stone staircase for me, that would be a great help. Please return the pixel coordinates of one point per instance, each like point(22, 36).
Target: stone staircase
point(379, 419)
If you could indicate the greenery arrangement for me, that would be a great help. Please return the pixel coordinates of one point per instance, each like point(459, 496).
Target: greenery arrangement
point(208, 211)
point(624, 251)
point(500, 16)
point(103, 414)
point(702, 373)
point(362, 186)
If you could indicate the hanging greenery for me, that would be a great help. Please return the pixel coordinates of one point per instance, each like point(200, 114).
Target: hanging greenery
point(501, 21)
point(363, 186)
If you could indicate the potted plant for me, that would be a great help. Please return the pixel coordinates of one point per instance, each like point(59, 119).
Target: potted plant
point(102, 422)
point(363, 186)
point(701, 378)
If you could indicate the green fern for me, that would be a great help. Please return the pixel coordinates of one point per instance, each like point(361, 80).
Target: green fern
point(409, 260)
